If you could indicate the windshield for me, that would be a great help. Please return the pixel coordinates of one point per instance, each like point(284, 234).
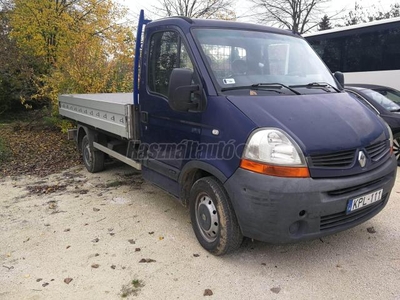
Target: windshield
point(382, 100)
point(390, 94)
point(239, 58)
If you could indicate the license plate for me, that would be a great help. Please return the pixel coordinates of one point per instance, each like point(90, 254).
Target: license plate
point(362, 201)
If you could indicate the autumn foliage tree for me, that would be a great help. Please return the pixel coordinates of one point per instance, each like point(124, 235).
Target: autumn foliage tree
point(81, 45)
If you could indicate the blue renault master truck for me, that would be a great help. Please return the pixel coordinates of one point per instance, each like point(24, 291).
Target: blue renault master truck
point(246, 126)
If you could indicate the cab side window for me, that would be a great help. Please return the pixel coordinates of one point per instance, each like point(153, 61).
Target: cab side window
point(166, 53)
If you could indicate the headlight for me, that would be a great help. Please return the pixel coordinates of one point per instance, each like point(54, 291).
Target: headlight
point(390, 136)
point(273, 152)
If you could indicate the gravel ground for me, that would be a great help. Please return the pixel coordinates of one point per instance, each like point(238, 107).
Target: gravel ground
point(75, 235)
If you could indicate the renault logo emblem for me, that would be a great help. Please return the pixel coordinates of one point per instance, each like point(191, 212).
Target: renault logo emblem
point(362, 159)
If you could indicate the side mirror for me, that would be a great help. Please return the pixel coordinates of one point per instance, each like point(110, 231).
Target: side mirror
point(180, 90)
point(339, 77)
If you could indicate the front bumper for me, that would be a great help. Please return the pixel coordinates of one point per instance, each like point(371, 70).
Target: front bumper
point(282, 210)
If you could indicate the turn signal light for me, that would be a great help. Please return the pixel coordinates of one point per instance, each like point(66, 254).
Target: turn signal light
point(272, 170)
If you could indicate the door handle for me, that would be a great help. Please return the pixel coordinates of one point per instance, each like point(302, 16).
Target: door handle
point(144, 117)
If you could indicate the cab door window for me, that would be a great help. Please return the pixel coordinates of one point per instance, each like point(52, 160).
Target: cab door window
point(166, 53)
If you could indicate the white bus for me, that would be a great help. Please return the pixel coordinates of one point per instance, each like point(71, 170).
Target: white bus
point(367, 53)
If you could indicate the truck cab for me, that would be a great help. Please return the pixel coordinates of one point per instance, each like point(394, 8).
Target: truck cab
point(246, 126)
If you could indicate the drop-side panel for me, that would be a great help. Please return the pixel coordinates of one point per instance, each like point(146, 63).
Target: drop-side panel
point(113, 113)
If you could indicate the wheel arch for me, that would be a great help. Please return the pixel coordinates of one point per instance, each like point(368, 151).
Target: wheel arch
point(93, 135)
point(192, 172)
point(82, 131)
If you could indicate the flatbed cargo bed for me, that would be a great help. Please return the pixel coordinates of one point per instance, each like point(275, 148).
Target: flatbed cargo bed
point(113, 113)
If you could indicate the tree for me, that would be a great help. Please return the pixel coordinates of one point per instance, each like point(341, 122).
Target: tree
point(296, 15)
point(80, 43)
point(16, 68)
point(356, 16)
point(392, 13)
point(325, 23)
point(217, 9)
point(360, 15)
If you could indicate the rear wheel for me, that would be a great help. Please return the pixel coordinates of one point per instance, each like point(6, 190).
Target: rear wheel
point(396, 148)
point(93, 160)
point(213, 219)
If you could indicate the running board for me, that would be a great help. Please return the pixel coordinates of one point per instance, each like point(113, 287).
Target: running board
point(118, 156)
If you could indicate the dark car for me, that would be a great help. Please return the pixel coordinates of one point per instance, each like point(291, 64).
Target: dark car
point(381, 100)
point(388, 92)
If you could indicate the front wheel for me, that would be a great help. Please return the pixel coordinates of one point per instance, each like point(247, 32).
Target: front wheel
point(93, 160)
point(396, 148)
point(213, 219)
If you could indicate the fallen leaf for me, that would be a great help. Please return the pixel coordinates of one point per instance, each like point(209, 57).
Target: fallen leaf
point(96, 240)
point(263, 264)
point(97, 255)
point(68, 247)
point(208, 292)
point(113, 267)
point(146, 260)
point(66, 230)
point(67, 280)
point(196, 255)
point(45, 284)
point(96, 209)
point(371, 229)
point(39, 279)
point(160, 238)
point(131, 241)
point(276, 290)
point(112, 233)
point(151, 232)
point(95, 266)
point(137, 249)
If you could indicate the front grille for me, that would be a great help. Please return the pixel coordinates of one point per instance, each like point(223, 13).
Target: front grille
point(377, 151)
point(340, 219)
point(354, 188)
point(333, 160)
point(345, 159)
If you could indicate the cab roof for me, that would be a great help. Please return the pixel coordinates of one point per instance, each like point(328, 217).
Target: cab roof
point(188, 23)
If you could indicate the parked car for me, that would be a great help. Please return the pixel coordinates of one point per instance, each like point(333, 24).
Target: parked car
point(388, 92)
point(381, 100)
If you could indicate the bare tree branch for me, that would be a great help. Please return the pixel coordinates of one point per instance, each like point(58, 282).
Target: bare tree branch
point(297, 15)
point(217, 9)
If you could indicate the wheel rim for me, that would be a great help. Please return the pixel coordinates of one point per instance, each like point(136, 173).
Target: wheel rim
point(87, 155)
point(396, 148)
point(207, 218)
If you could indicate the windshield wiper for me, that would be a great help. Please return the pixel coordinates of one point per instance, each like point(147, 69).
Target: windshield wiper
point(318, 85)
point(276, 86)
point(250, 87)
point(395, 110)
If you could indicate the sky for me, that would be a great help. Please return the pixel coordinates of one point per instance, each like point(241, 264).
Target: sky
point(244, 11)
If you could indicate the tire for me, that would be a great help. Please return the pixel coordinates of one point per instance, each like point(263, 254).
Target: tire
point(93, 160)
point(396, 148)
point(213, 219)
